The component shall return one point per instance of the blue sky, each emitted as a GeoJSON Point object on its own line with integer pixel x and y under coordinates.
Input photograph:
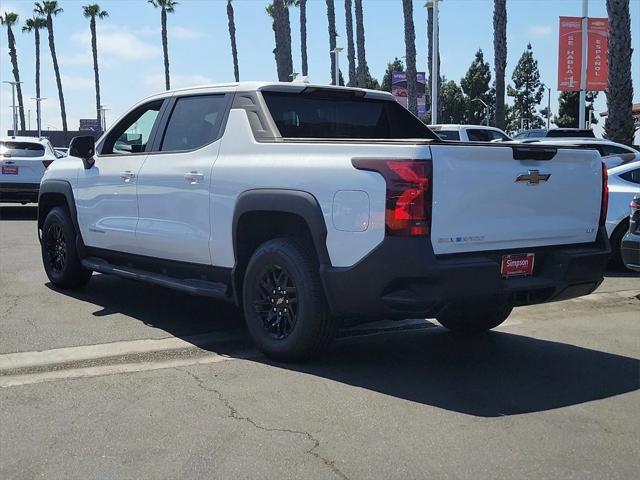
{"type": "Point", "coordinates": [130, 51]}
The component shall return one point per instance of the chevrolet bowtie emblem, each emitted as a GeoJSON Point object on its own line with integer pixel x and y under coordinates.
{"type": "Point", "coordinates": [533, 177]}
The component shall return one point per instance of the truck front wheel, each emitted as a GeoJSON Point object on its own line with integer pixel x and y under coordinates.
{"type": "Point", "coordinates": [284, 305]}
{"type": "Point", "coordinates": [475, 316]}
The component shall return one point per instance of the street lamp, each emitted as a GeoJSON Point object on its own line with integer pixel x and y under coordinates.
{"type": "Point", "coordinates": [13, 105]}
{"type": "Point", "coordinates": [486, 108]}
{"type": "Point", "coordinates": [38, 114]}
{"type": "Point", "coordinates": [336, 51]}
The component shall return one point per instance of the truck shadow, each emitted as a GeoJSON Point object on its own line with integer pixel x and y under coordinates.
{"type": "Point", "coordinates": [15, 212]}
{"type": "Point", "coordinates": [497, 374]}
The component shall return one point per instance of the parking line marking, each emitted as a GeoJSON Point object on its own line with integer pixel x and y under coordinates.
{"type": "Point", "coordinates": [11, 361]}
{"type": "Point", "coordinates": [103, 370]}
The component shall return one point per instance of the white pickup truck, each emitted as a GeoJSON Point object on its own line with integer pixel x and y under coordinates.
{"type": "Point", "coordinates": [309, 205]}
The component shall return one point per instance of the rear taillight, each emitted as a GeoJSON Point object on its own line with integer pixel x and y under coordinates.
{"type": "Point", "coordinates": [408, 206]}
{"type": "Point", "coordinates": [604, 202]}
{"type": "Point", "coordinates": [46, 163]}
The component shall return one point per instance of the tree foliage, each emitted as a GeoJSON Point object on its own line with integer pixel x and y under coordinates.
{"type": "Point", "coordinates": [569, 106]}
{"type": "Point", "coordinates": [476, 85]}
{"type": "Point", "coordinates": [527, 92]}
{"type": "Point", "coordinates": [397, 65]}
{"type": "Point", "coordinates": [454, 103]}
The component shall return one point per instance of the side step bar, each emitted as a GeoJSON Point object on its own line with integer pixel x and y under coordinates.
{"type": "Point", "coordinates": [193, 286]}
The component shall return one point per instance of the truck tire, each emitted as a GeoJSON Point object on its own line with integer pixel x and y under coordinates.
{"type": "Point", "coordinates": [474, 317]}
{"type": "Point", "coordinates": [284, 305]}
{"type": "Point", "coordinates": [615, 260]}
{"type": "Point", "coordinates": [59, 253]}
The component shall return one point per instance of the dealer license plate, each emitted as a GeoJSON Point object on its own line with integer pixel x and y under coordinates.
{"type": "Point", "coordinates": [520, 265]}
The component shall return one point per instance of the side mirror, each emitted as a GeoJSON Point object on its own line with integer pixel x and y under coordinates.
{"type": "Point", "coordinates": [84, 148]}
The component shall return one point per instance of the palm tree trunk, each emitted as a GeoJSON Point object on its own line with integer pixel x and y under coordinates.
{"type": "Point", "coordinates": [232, 35]}
{"type": "Point", "coordinates": [165, 47]}
{"type": "Point", "coordinates": [37, 38]}
{"type": "Point", "coordinates": [282, 31]}
{"type": "Point", "coordinates": [619, 123]}
{"type": "Point", "coordinates": [362, 60]}
{"type": "Point", "coordinates": [351, 49]}
{"type": "Point", "coordinates": [500, 57]}
{"type": "Point", "coordinates": [94, 49]}
{"type": "Point", "coordinates": [410, 47]}
{"type": "Point", "coordinates": [432, 74]}
{"type": "Point", "coordinates": [331, 17]}
{"type": "Point", "coordinates": [56, 70]}
{"type": "Point", "coordinates": [303, 37]}
{"type": "Point", "coordinates": [16, 73]}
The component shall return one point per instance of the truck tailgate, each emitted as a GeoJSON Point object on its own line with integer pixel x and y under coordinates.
{"type": "Point", "coordinates": [503, 198]}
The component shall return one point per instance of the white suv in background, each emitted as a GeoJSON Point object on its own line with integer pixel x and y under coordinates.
{"type": "Point", "coordinates": [23, 161]}
{"type": "Point", "coordinates": [470, 133]}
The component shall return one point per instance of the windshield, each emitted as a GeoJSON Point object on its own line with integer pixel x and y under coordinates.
{"type": "Point", "coordinates": [21, 149]}
{"type": "Point", "coordinates": [342, 114]}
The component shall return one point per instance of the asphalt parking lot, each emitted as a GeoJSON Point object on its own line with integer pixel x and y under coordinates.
{"type": "Point", "coordinates": [124, 380]}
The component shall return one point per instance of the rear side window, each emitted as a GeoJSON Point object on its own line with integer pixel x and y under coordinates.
{"type": "Point", "coordinates": [632, 176]}
{"type": "Point", "coordinates": [611, 150]}
{"type": "Point", "coordinates": [194, 122]}
{"type": "Point", "coordinates": [331, 114]}
{"type": "Point", "coordinates": [449, 134]}
{"type": "Point", "coordinates": [21, 149]}
{"type": "Point", "coordinates": [477, 135]}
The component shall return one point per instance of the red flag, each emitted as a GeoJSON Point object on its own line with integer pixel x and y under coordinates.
{"type": "Point", "coordinates": [597, 64]}
{"type": "Point", "coordinates": [570, 53]}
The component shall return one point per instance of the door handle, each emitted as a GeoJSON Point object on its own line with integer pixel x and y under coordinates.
{"type": "Point", "coordinates": [127, 175]}
{"type": "Point", "coordinates": [194, 177]}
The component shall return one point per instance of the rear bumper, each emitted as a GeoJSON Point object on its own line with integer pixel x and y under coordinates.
{"type": "Point", "coordinates": [19, 192]}
{"type": "Point", "coordinates": [403, 278]}
{"type": "Point", "coordinates": [631, 251]}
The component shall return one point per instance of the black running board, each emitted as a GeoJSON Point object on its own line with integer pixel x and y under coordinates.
{"type": "Point", "coordinates": [193, 286]}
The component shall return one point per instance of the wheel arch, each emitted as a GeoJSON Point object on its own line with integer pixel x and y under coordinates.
{"type": "Point", "coordinates": [58, 193]}
{"type": "Point", "coordinates": [262, 214]}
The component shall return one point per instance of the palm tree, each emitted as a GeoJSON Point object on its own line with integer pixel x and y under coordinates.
{"type": "Point", "coordinates": [92, 12]}
{"type": "Point", "coordinates": [331, 17]}
{"type": "Point", "coordinates": [351, 49]}
{"type": "Point", "coordinates": [500, 57]}
{"type": "Point", "coordinates": [619, 123]}
{"type": "Point", "coordinates": [9, 19]}
{"type": "Point", "coordinates": [35, 24]}
{"type": "Point", "coordinates": [232, 35]}
{"type": "Point", "coordinates": [410, 47]}
{"type": "Point", "coordinates": [50, 9]}
{"type": "Point", "coordinates": [279, 11]}
{"type": "Point", "coordinates": [165, 6]}
{"type": "Point", "coordinates": [362, 60]}
{"type": "Point", "coordinates": [432, 75]}
{"type": "Point", "coordinates": [303, 36]}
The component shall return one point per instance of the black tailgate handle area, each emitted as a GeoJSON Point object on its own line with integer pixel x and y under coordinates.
{"type": "Point", "coordinates": [534, 153]}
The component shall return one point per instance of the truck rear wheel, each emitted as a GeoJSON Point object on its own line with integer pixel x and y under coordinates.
{"type": "Point", "coordinates": [474, 317]}
{"type": "Point", "coordinates": [284, 305]}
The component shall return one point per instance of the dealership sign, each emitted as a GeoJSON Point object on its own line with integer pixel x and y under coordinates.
{"type": "Point", "coordinates": [399, 90]}
{"type": "Point", "coordinates": [570, 53]}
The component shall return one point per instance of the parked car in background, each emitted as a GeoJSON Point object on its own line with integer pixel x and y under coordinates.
{"type": "Point", "coordinates": [469, 133]}
{"type": "Point", "coordinates": [554, 133]}
{"type": "Point", "coordinates": [62, 151]}
{"type": "Point", "coordinates": [631, 241]}
{"type": "Point", "coordinates": [624, 185]}
{"type": "Point", "coordinates": [23, 161]}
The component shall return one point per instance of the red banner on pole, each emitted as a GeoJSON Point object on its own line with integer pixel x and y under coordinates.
{"type": "Point", "coordinates": [597, 44]}
{"type": "Point", "coordinates": [570, 53]}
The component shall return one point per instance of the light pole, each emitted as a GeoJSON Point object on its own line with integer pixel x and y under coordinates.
{"type": "Point", "coordinates": [336, 51]}
{"type": "Point", "coordinates": [103, 117]}
{"type": "Point", "coordinates": [486, 108]}
{"type": "Point", "coordinates": [13, 105]}
{"type": "Point", "coordinates": [435, 74]}
{"type": "Point", "coordinates": [583, 67]}
{"type": "Point", "coordinates": [38, 114]}
{"type": "Point", "coordinates": [549, 108]}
